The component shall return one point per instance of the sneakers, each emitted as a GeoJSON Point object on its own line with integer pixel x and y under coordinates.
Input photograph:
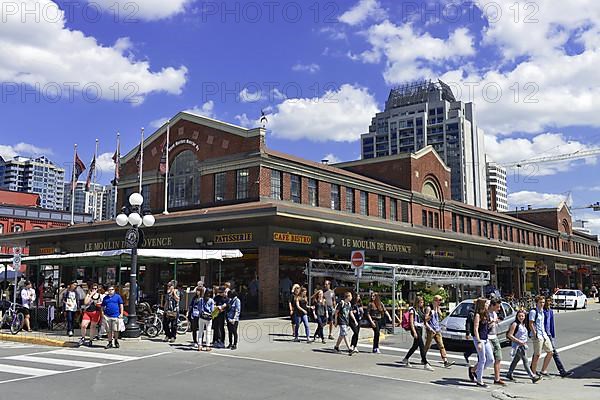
{"type": "Point", "coordinates": [350, 352]}
{"type": "Point", "coordinates": [405, 362]}
{"type": "Point", "coordinates": [466, 358]}
{"type": "Point", "coordinates": [536, 379]}
{"type": "Point", "coordinates": [117, 345]}
{"type": "Point", "coordinates": [172, 340]}
{"type": "Point", "coordinates": [511, 378]}
{"type": "Point", "coordinates": [376, 351]}
{"type": "Point", "coordinates": [482, 385]}
{"type": "Point", "coordinates": [336, 349]}
{"type": "Point", "coordinates": [448, 364]}
{"type": "Point", "coordinates": [81, 341]}
{"type": "Point", "coordinates": [233, 347]}
{"type": "Point", "coordinates": [323, 341]}
{"type": "Point", "coordinates": [70, 333]}
{"type": "Point", "coordinates": [108, 346]}
{"type": "Point", "coordinates": [471, 374]}
{"type": "Point", "coordinates": [566, 374]}
{"type": "Point", "coordinates": [331, 337]}
{"type": "Point", "coordinates": [428, 367]}
{"type": "Point", "coordinates": [355, 350]}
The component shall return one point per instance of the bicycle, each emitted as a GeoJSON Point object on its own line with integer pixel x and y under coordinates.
{"type": "Point", "coordinates": [183, 325]}
{"type": "Point", "coordinates": [13, 318]}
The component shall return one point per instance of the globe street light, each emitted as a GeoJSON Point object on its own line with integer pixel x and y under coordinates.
{"type": "Point", "coordinates": [131, 215]}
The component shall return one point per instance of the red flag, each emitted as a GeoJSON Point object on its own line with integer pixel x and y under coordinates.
{"type": "Point", "coordinates": [79, 168]}
{"type": "Point", "coordinates": [162, 167]}
{"type": "Point", "coordinates": [90, 174]}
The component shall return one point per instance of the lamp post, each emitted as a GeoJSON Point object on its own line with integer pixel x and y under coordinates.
{"type": "Point", "coordinates": [131, 215]}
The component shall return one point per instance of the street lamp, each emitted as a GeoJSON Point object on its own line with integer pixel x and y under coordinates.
{"type": "Point", "coordinates": [131, 215]}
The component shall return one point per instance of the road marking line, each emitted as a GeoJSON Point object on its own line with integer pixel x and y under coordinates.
{"type": "Point", "coordinates": [32, 372]}
{"type": "Point", "coordinates": [54, 361]}
{"type": "Point", "coordinates": [572, 346]}
{"type": "Point", "coordinates": [339, 371]}
{"type": "Point", "coordinates": [91, 354]}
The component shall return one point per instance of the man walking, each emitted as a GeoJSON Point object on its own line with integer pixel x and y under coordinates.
{"type": "Point", "coordinates": [494, 341]}
{"type": "Point", "coordinates": [541, 340]}
{"type": "Point", "coordinates": [549, 327]}
{"type": "Point", "coordinates": [433, 317]}
{"type": "Point", "coordinates": [112, 311]}
{"type": "Point", "coordinates": [329, 295]}
{"type": "Point", "coordinates": [343, 316]}
{"type": "Point", "coordinates": [70, 302]}
{"type": "Point", "coordinates": [27, 299]}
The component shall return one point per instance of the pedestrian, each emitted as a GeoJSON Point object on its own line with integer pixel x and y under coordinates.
{"type": "Point", "coordinates": [92, 303]}
{"type": "Point", "coordinates": [594, 292]}
{"type": "Point", "coordinates": [417, 323]}
{"type": "Point", "coordinates": [234, 308]}
{"type": "Point", "coordinates": [301, 302]}
{"type": "Point", "coordinates": [171, 312]}
{"type": "Point", "coordinates": [112, 312]}
{"type": "Point", "coordinates": [207, 307]}
{"type": "Point", "coordinates": [343, 316]}
{"type": "Point", "coordinates": [483, 346]}
{"type": "Point", "coordinates": [549, 328]}
{"type": "Point", "coordinates": [358, 312]}
{"type": "Point", "coordinates": [541, 340]}
{"type": "Point", "coordinates": [292, 305]}
{"type": "Point", "coordinates": [376, 314]}
{"type": "Point", "coordinates": [329, 295]}
{"type": "Point", "coordinates": [319, 307]}
{"type": "Point", "coordinates": [27, 300]}
{"type": "Point", "coordinates": [70, 303]}
{"type": "Point", "coordinates": [469, 334]}
{"type": "Point", "coordinates": [433, 317]}
{"type": "Point", "coordinates": [494, 320]}
{"type": "Point", "coordinates": [517, 334]}
{"type": "Point", "coordinates": [219, 319]}
{"type": "Point", "coordinates": [194, 311]}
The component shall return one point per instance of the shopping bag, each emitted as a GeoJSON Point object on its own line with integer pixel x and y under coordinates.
{"type": "Point", "coordinates": [121, 325]}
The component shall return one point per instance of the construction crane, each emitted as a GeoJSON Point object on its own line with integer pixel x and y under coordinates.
{"type": "Point", "coordinates": [561, 157]}
{"type": "Point", "coordinates": [594, 207]}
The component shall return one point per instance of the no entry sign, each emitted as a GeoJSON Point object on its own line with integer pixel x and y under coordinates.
{"type": "Point", "coordinates": [357, 258]}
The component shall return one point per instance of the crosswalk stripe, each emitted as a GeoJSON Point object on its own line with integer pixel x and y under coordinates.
{"type": "Point", "coordinates": [54, 361]}
{"type": "Point", "coordinates": [91, 354]}
{"type": "Point", "coordinates": [26, 370]}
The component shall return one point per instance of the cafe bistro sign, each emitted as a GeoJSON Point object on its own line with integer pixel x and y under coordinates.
{"type": "Point", "coordinates": [291, 238]}
{"type": "Point", "coordinates": [375, 245]}
{"type": "Point", "coordinates": [151, 243]}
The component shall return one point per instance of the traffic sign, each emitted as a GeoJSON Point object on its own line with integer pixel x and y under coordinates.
{"type": "Point", "coordinates": [16, 258]}
{"type": "Point", "coordinates": [357, 258]}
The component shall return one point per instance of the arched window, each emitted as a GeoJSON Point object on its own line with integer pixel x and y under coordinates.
{"type": "Point", "coordinates": [1, 229]}
{"type": "Point", "coordinates": [565, 225]}
{"type": "Point", "coordinates": [430, 188]}
{"type": "Point", "coordinates": [184, 180]}
{"type": "Point", "coordinates": [17, 228]}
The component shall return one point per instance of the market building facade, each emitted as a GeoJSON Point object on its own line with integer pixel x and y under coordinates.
{"type": "Point", "coordinates": [228, 190]}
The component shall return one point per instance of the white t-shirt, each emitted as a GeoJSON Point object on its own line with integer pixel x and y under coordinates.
{"type": "Point", "coordinates": [27, 297]}
{"type": "Point", "coordinates": [71, 301]}
{"type": "Point", "coordinates": [329, 296]}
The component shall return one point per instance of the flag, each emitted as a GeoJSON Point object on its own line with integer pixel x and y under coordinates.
{"type": "Point", "coordinates": [79, 168]}
{"type": "Point", "coordinates": [117, 160]}
{"type": "Point", "coordinates": [138, 156]}
{"type": "Point", "coordinates": [162, 167]}
{"type": "Point", "coordinates": [90, 174]}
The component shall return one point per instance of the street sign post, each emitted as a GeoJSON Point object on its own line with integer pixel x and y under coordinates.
{"type": "Point", "coordinates": [357, 259]}
{"type": "Point", "coordinates": [16, 266]}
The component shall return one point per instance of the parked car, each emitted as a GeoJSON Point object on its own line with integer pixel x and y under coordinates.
{"type": "Point", "coordinates": [453, 326]}
{"type": "Point", "coordinates": [569, 298]}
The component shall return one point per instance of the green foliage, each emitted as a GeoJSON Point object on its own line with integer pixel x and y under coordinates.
{"type": "Point", "coordinates": [428, 294]}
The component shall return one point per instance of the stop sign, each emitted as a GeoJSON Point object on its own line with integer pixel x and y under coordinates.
{"type": "Point", "coordinates": [357, 258]}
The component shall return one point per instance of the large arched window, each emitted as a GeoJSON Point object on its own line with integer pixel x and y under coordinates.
{"type": "Point", "coordinates": [430, 188]}
{"type": "Point", "coordinates": [17, 228]}
{"type": "Point", "coordinates": [184, 180]}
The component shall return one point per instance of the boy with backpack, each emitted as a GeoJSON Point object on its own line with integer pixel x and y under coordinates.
{"type": "Point", "coordinates": [343, 315]}
{"type": "Point", "coordinates": [541, 340]}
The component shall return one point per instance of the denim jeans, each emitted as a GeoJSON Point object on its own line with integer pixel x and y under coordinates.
{"type": "Point", "coordinates": [520, 354]}
{"type": "Point", "coordinates": [70, 318]}
{"type": "Point", "coordinates": [321, 322]}
{"type": "Point", "coordinates": [486, 358]}
{"type": "Point", "coordinates": [304, 320]}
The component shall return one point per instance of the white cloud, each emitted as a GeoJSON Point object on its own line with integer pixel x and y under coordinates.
{"type": "Point", "coordinates": [362, 11]}
{"type": "Point", "coordinates": [310, 68]}
{"type": "Point", "coordinates": [49, 56]}
{"type": "Point", "coordinates": [105, 164]}
{"type": "Point", "coordinates": [148, 10]}
{"type": "Point", "coordinates": [535, 199]}
{"type": "Point", "coordinates": [331, 158]}
{"type": "Point", "coordinates": [508, 150]}
{"type": "Point", "coordinates": [207, 110]}
{"type": "Point", "coordinates": [341, 115]}
{"type": "Point", "coordinates": [409, 54]}
{"type": "Point", "coordinates": [593, 221]}
{"type": "Point", "coordinates": [246, 96]}
{"type": "Point", "coordinates": [23, 149]}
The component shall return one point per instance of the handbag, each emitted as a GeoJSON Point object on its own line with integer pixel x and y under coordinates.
{"type": "Point", "coordinates": [171, 314]}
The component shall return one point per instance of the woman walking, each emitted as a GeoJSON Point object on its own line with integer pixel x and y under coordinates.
{"type": "Point", "coordinates": [292, 305]}
{"type": "Point", "coordinates": [417, 323]}
{"type": "Point", "coordinates": [171, 313]}
{"type": "Point", "coordinates": [194, 311]}
{"type": "Point", "coordinates": [234, 308]}
{"type": "Point", "coordinates": [319, 306]}
{"type": "Point", "coordinates": [375, 314]}
{"type": "Point", "coordinates": [302, 315]}
{"type": "Point", "coordinates": [517, 334]}
{"type": "Point", "coordinates": [91, 314]}
{"type": "Point", "coordinates": [483, 346]}
{"type": "Point", "coordinates": [358, 312]}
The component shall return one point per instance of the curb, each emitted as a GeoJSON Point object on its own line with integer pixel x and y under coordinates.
{"type": "Point", "coordinates": [36, 340]}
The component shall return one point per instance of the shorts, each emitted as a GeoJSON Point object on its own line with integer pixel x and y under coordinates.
{"type": "Point", "coordinates": [93, 316]}
{"type": "Point", "coordinates": [25, 311]}
{"type": "Point", "coordinates": [330, 314]}
{"type": "Point", "coordinates": [540, 345]}
{"type": "Point", "coordinates": [343, 330]}
{"type": "Point", "coordinates": [112, 324]}
{"type": "Point", "coordinates": [496, 349]}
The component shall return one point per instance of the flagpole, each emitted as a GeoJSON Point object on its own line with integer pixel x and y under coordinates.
{"type": "Point", "coordinates": [167, 169]}
{"type": "Point", "coordinates": [73, 183]}
{"type": "Point", "coordinates": [95, 200]}
{"type": "Point", "coordinates": [115, 187]}
{"type": "Point", "coordinates": [141, 160]}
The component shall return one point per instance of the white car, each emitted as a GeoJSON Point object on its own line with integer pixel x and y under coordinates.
{"type": "Point", "coordinates": [569, 298]}
{"type": "Point", "coordinates": [453, 326]}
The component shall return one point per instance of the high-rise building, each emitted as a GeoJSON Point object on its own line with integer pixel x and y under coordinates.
{"type": "Point", "coordinates": [497, 191]}
{"type": "Point", "coordinates": [108, 202]}
{"type": "Point", "coordinates": [38, 175]}
{"type": "Point", "coordinates": [427, 113]}
{"type": "Point", "coordinates": [84, 200]}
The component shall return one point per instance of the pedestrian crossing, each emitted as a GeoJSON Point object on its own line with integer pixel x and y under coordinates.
{"type": "Point", "coordinates": [53, 362]}
{"type": "Point", "coordinates": [15, 345]}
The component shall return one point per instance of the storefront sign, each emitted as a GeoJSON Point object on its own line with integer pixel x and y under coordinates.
{"type": "Point", "coordinates": [560, 267]}
{"type": "Point", "coordinates": [291, 238]}
{"type": "Point", "coordinates": [375, 245]}
{"type": "Point", "coordinates": [541, 268]}
{"type": "Point", "coordinates": [530, 266]}
{"type": "Point", "coordinates": [149, 243]}
{"type": "Point", "coordinates": [573, 267]}
{"type": "Point", "coordinates": [502, 259]}
{"type": "Point", "coordinates": [443, 254]}
{"type": "Point", "coordinates": [233, 238]}
{"type": "Point", "coordinates": [185, 141]}
{"type": "Point", "coordinates": [46, 251]}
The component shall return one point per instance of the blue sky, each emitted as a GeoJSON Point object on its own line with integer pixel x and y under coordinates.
{"type": "Point", "coordinates": [321, 69]}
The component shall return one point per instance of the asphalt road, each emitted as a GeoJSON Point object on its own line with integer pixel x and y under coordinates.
{"type": "Point", "coordinates": [269, 365]}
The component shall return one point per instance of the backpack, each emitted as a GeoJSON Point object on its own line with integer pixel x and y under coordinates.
{"type": "Point", "coordinates": [527, 320]}
{"type": "Point", "coordinates": [470, 323]}
{"type": "Point", "coordinates": [406, 319]}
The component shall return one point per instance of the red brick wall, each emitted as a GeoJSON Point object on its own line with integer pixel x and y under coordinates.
{"type": "Point", "coordinates": [304, 191]}
{"type": "Point", "coordinates": [264, 182]}
{"type": "Point", "coordinates": [287, 186]}
{"type": "Point", "coordinates": [324, 194]}
{"type": "Point", "coordinates": [373, 205]}
{"type": "Point", "coordinates": [268, 275]}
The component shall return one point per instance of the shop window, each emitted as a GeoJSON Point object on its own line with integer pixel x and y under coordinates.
{"type": "Point", "coordinates": [430, 219]}
{"type": "Point", "coordinates": [219, 186]}
{"type": "Point", "coordinates": [295, 189]}
{"type": "Point", "coordinates": [424, 218]}
{"type": "Point", "coordinates": [350, 200]}
{"type": "Point", "coordinates": [17, 228]}
{"type": "Point", "coordinates": [381, 206]}
{"type": "Point", "coordinates": [313, 193]}
{"type": "Point", "coordinates": [436, 218]}
{"type": "Point", "coordinates": [454, 228]}
{"type": "Point", "coordinates": [276, 188]}
{"type": "Point", "coordinates": [491, 230]}
{"type": "Point", "coordinates": [184, 180]}
{"type": "Point", "coordinates": [404, 209]}
{"type": "Point", "coordinates": [461, 222]}
{"type": "Point", "coordinates": [469, 226]}
{"type": "Point", "coordinates": [478, 227]}
{"type": "Point", "coordinates": [241, 182]}
{"type": "Point", "coordinates": [485, 229]}
{"type": "Point", "coordinates": [393, 210]}
{"type": "Point", "coordinates": [335, 197]}
{"type": "Point", "coordinates": [364, 203]}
